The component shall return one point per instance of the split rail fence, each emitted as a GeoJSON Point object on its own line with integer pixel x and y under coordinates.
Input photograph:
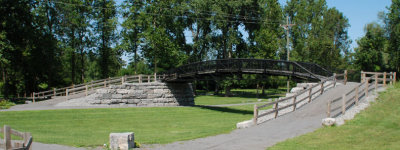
{"type": "Point", "coordinates": [297, 98]}
{"type": "Point", "coordinates": [94, 85]}
{"type": "Point", "coordinates": [369, 81]}
{"type": "Point", "coordinates": [7, 144]}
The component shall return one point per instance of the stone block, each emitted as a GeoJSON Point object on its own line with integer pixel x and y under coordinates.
{"type": "Point", "coordinates": [122, 91]}
{"type": "Point", "coordinates": [158, 91]}
{"type": "Point", "coordinates": [116, 96]}
{"type": "Point", "coordinates": [328, 121]}
{"type": "Point", "coordinates": [153, 96]}
{"type": "Point", "coordinates": [133, 101]}
{"type": "Point", "coordinates": [106, 96]}
{"type": "Point", "coordinates": [102, 91]}
{"type": "Point", "coordinates": [297, 89]}
{"type": "Point", "coordinates": [122, 141]}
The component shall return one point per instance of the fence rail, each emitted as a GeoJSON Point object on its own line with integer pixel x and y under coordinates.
{"type": "Point", "coordinates": [7, 144]}
{"type": "Point", "coordinates": [369, 81]}
{"type": "Point", "coordinates": [94, 85]}
{"type": "Point", "coordinates": [297, 97]}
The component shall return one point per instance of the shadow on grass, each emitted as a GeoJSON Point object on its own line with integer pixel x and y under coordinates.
{"type": "Point", "coordinates": [224, 109]}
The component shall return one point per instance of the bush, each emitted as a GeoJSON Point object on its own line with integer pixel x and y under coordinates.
{"type": "Point", "coordinates": [5, 104]}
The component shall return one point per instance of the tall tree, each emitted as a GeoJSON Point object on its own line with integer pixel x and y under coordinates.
{"type": "Point", "coordinates": [393, 28]}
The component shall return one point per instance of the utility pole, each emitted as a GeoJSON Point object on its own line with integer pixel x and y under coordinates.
{"type": "Point", "coordinates": [286, 27]}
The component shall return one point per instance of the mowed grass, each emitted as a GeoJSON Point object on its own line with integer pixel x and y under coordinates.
{"type": "Point", "coordinates": [240, 96]}
{"type": "Point", "coordinates": [377, 127]}
{"type": "Point", "coordinates": [91, 127]}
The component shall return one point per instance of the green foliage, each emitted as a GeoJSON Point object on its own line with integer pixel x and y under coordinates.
{"type": "Point", "coordinates": [369, 53]}
{"type": "Point", "coordinates": [137, 144]}
{"type": "Point", "coordinates": [5, 104]}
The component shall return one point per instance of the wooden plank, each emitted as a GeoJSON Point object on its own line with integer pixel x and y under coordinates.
{"type": "Point", "coordinates": [17, 133]}
{"type": "Point", "coordinates": [336, 100]}
{"type": "Point", "coordinates": [265, 105]}
{"type": "Point", "coordinates": [29, 144]}
{"type": "Point", "coordinates": [267, 113]}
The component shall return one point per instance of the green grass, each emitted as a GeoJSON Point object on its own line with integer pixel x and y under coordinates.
{"type": "Point", "coordinates": [240, 96]}
{"type": "Point", "coordinates": [378, 127]}
{"type": "Point", "coordinates": [91, 127]}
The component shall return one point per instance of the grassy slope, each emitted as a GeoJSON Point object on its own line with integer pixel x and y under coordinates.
{"type": "Point", "coordinates": [378, 127]}
{"type": "Point", "coordinates": [91, 127]}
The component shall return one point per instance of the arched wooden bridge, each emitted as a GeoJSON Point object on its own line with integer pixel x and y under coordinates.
{"type": "Point", "coordinates": [223, 67]}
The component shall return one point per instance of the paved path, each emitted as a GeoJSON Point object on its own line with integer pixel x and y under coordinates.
{"type": "Point", "coordinates": [304, 120]}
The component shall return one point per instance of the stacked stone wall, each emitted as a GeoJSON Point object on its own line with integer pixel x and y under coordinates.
{"type": "Point", "coordinates": [146, 94]}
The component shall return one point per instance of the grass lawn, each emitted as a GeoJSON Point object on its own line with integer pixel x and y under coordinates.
{"type": "Point", "coordinates": [240, 96]}
{"type": "Point", "coordinates": [91, 127]}
{"type": "Point", "coordinates": [378, 127]}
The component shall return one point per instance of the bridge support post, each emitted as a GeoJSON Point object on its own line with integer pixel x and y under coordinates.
{"type": "Point", "coordinates": [255, 114]}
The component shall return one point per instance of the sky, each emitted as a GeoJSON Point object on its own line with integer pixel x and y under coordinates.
{"type": "Point", "coordinates": [359, 13]}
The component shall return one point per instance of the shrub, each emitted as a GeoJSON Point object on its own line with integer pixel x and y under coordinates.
{"type": "Point", "coordinates": [5, 104]}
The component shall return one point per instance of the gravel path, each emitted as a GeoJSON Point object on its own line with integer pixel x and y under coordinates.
{"type": "Point", "coordinates": [304, 120]}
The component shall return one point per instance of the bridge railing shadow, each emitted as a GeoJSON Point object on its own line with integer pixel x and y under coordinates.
{"type": "Point", "coordinates": [225, 109]}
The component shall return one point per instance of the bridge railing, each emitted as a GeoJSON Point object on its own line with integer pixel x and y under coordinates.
{"type": "Point", "coordinates": [8, 144]}
{"type": "Point", "coordinates": [310, 92]}
{"type": "Point", "coordinates": [245, 66]}
{"type": "Point", "coordinates": [369, 81]}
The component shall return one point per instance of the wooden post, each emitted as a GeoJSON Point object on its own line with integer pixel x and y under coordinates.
{"type": "Point", "coordinates": [334, 79]}
{"type": "Point", "coordinates": [343, 103]}
{"type": "Point", "coordinates": [322, 88]}
{"type": "Point", "coordinates": [357, 96]}
{"type": "Point", "coordinates": [366, 87]}
{"type": "Point", "coordinates": [309, 94]}
{"type": "Point", "coordinates": [294, 103]}
{"type": "Point", "coordinates": [66, 94]}
{"type": "Point", "coordinates": [328, 111]}
{"type": "Point", "coordinates": [54, 92]}
{"type": "Point", "coordinates": [391, 78]}
{"type": "Point", "coordinates": [73, 86]}
{"type": "Point", "coordinates": [27, 135]}
{"type": "Point", "coordinates": [255, 114]}
{"type": "Point", "coordinates": [148, 79]}
{"type": "Point", "coordinates": [86, 90]}
{"type": "Point", "coordinates": [362, 76]}
{"type": "Point", "coordinates": [7, 137]}
{"type": "Point", "coordinates": [105, 83]}
{"type": "Point", "coordinates": [33, 97]}
{"type": "Point", "coordinates": [384, 79]}
{"type": "Point", "coordinates": [345, 77]}
{"type": "Point", "coordinates": [155, 77]}
{"type": "Point", "coordinates": [394, 78]}
{"type": "Point", "coordinates": [276, 108]}
{"type": "Point", "coordinates": [122, 80]}
{"type": "Point", "coordinates": [140, 78]}
{"type": "Point", "coordinates": [376, 82]}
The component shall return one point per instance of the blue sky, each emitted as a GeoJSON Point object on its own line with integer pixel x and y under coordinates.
{"type": "Point", "coordinates": [359, 13]}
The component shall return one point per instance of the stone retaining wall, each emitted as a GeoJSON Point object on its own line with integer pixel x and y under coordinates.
{"type": "Point", "coordinates": [146, 94]}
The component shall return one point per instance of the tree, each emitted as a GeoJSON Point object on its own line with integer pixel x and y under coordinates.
{"type": "Point", "coordinates": [393, 28]}
{"type": "Point", "coordinates": [368, 54]}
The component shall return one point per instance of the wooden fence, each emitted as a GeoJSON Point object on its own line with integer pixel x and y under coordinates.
{"type": "Point", "coordinates": [94, 85]}
{"type": "Point", "coordinates": [275, 110]}
{"type": "Point", "coordinates": [369, 81]}
{"type": "Point", "coordinates": [7, 144]}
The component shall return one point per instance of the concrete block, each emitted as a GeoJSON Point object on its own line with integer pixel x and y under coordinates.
{"type": "Point", "coordinates": [122, 141]}
{"type": "Point", "coordinates": [328, 121]}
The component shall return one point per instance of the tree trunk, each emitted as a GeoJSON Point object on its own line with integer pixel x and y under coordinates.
{"type": "Point", "coordinates": [228, 91]}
